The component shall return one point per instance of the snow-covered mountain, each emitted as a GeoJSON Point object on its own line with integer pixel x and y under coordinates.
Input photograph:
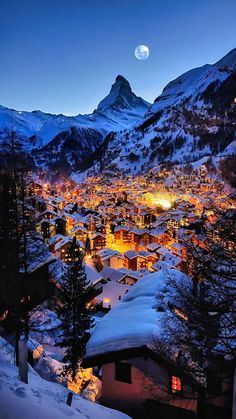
{"type": "Point", "coordinates": [54, 137]}
{"type": "Point", "coordinates": [194, 116]}
{"type": "Point", "coordinates": [122, 101]}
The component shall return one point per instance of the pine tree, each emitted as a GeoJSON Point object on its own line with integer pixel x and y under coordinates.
{"type": "Point", "coordinates": [13, 244]}
{"type": "Point", "coordinates": [88, 246]}
{"type": "Point", "coordinates": [75, 312]}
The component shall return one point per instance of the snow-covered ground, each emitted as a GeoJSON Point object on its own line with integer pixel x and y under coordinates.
{"type": "Point", "coordinates": [41, 399]}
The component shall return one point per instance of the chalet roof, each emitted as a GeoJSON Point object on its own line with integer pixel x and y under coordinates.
{"type": "Point", "coordinates": [137, 316]}
{"type": "Point", "coordinates": [38, 254]}
{"type": "Point", "coordinates": [79, 228]}
{"type": "Point", "coordinates": [58, 199]}
{"type": "Point", "coordinates": [122, 227]}
{"type": "Point", "coordinates": [140, 273]}
{"type": "Point", "coordinates": [178, 246]}
{"type": "Point", "coordinates": [153, 247]}
{"type": "Point", "coordinates": [65, 241]}
{"type": "Point", "coordinates": [157, 232]}
{"type": "Point", "coordinates": [93, 276]}
{"type": "Point", "coordinates": [115, 275]}
{"type": "Point", "coordinates": [139, 231]}
{"type": "Point", "coordinates": [113, 292]}
{"type": "Point", "coordinates": [55, 239]}
{"type": "Point", "coordinates": [131, 254]}
{"type": "Point", "coordinates": [98, 235]}
{"type": "Point", "coordinates": [108, 253]}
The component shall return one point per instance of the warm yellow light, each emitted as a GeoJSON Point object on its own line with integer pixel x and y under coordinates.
{"type": "Point", "coordinates": [106, 300]}
{"type": "Point", "coordinates": [164, 200]}
{"type": "Point", "coordinates": [163, 203]}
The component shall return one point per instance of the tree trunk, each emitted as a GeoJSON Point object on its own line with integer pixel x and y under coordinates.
{"type": "Point", "coordinates": [23, 360]}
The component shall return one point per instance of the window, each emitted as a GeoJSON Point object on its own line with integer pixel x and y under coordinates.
{"type": "Point", "coordinates": [123, 372]}
{"type": "Point", "coordinates": [176, 385]}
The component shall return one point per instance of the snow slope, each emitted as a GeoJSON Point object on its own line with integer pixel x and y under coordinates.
{"type": "Point", "coordinates": [41, 399]}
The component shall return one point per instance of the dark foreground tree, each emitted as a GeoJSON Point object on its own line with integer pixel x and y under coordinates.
{"type": "Point", "coordinates": [200, 322]}
{"type": "Point", "coordinates": [75, 312]}
{"type": "Point", "coordinates": [14, 293]}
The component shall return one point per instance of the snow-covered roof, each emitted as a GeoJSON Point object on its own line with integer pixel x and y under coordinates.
{"type": "Point", "coordinates": [55, 239]}
{"type": "Point", "coordinates": [153, 247]}
{"type": "Point", "coordinates": [157, 232]}
{"type": "Point", "coordinates": [135, 274]}
{"type": "Point", "coordinates": [135, 320]}
{"type": "Point", "coordinates": [38, 254]}
{"type": "Point", "coordinates": [112, 293]}
{"type": "Point", "coordinates": [108, 253]}
{"type": "Point", "coordinates": [112, 274]}
{"type": "Point", "coordinates": [79, 228]}
{"type": "Point", "coordinates": [98, 235]}
{"type": "Point", "coordinates": [93, 276]}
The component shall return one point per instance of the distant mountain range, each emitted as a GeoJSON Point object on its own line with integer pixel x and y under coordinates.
{"type": "Point", "coordinates": [58, 139]}
{"type": "Point", "coordinates": [194, 116]}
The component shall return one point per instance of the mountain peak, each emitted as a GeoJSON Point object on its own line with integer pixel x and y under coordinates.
{"type": "Point", "coordinates": [121, 97]}
{"type": "Point", "coordinates": [121, 79]}
{"type": "Point", "coordinates": [229, 60]}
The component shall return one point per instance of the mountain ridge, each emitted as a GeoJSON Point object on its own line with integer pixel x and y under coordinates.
{"type": "Point", "coordinates": [193, 117]}
{"type": "Point", "coordinates": [42, 131]}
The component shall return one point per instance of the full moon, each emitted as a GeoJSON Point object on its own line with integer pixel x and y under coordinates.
{"type": "Point", "coordinates": [141, 52]}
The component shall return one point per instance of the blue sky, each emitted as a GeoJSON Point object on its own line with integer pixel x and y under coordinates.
{"type": "Point", "coordinates": [61, 56]}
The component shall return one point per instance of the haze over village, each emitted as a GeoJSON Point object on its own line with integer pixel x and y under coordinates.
{"type": "Point", "coordinates": [117, 227]}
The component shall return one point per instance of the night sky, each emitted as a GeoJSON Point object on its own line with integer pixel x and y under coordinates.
{"type": "Point", "coordinates": [61, 56]}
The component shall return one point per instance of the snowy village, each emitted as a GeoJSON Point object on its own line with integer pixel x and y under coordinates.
{"type": "Point", "coordinates": [118, 228]}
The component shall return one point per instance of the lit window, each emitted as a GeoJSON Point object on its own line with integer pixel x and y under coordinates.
{"type": "Point", "coordinates": [176, 385]}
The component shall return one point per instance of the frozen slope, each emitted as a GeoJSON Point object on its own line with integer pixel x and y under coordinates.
{"type": "Point", "coordinates": [41, 399]}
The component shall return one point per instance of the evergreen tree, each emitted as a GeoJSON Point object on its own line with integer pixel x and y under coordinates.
{"type": "Point", "coordinates": [13, 243]}
{"type": "Point", "coordinates": [74, 312]}
{"type": "Point", "coordinates": [88, 246]}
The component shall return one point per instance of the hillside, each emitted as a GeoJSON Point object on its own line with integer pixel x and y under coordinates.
{"type": "Point", "coordinates": [195, 116]}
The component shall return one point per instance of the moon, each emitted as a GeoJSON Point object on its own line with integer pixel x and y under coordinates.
{"type": "Point", "coordinates": [141, 52]}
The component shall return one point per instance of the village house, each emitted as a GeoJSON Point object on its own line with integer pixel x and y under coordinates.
{"type": "Point", "coordinates": [138, 260]}
{"type": "Point", "coordinates": [135, 378]}
{"type": "Point", "coordinates": [98, 242]}
{"type": "Point", "coordinates": [179, 249]}
{"type": "Point", "coordinates": [38, 278]}
{"type": "Point", "coordinates": [160, 236]}
{"type": "Point", "coordinates": [46, 228]}
{"type": "Point", "coordinates": [62, 247]}
{"type": "Point", "coordinates": [109, 258]}
{"type": "Point", "coordinates": [122, 235]}
{"type": "Point", "coordinates": [139, 238]}
{"type": "Point", "coordinates": [80, 232]}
